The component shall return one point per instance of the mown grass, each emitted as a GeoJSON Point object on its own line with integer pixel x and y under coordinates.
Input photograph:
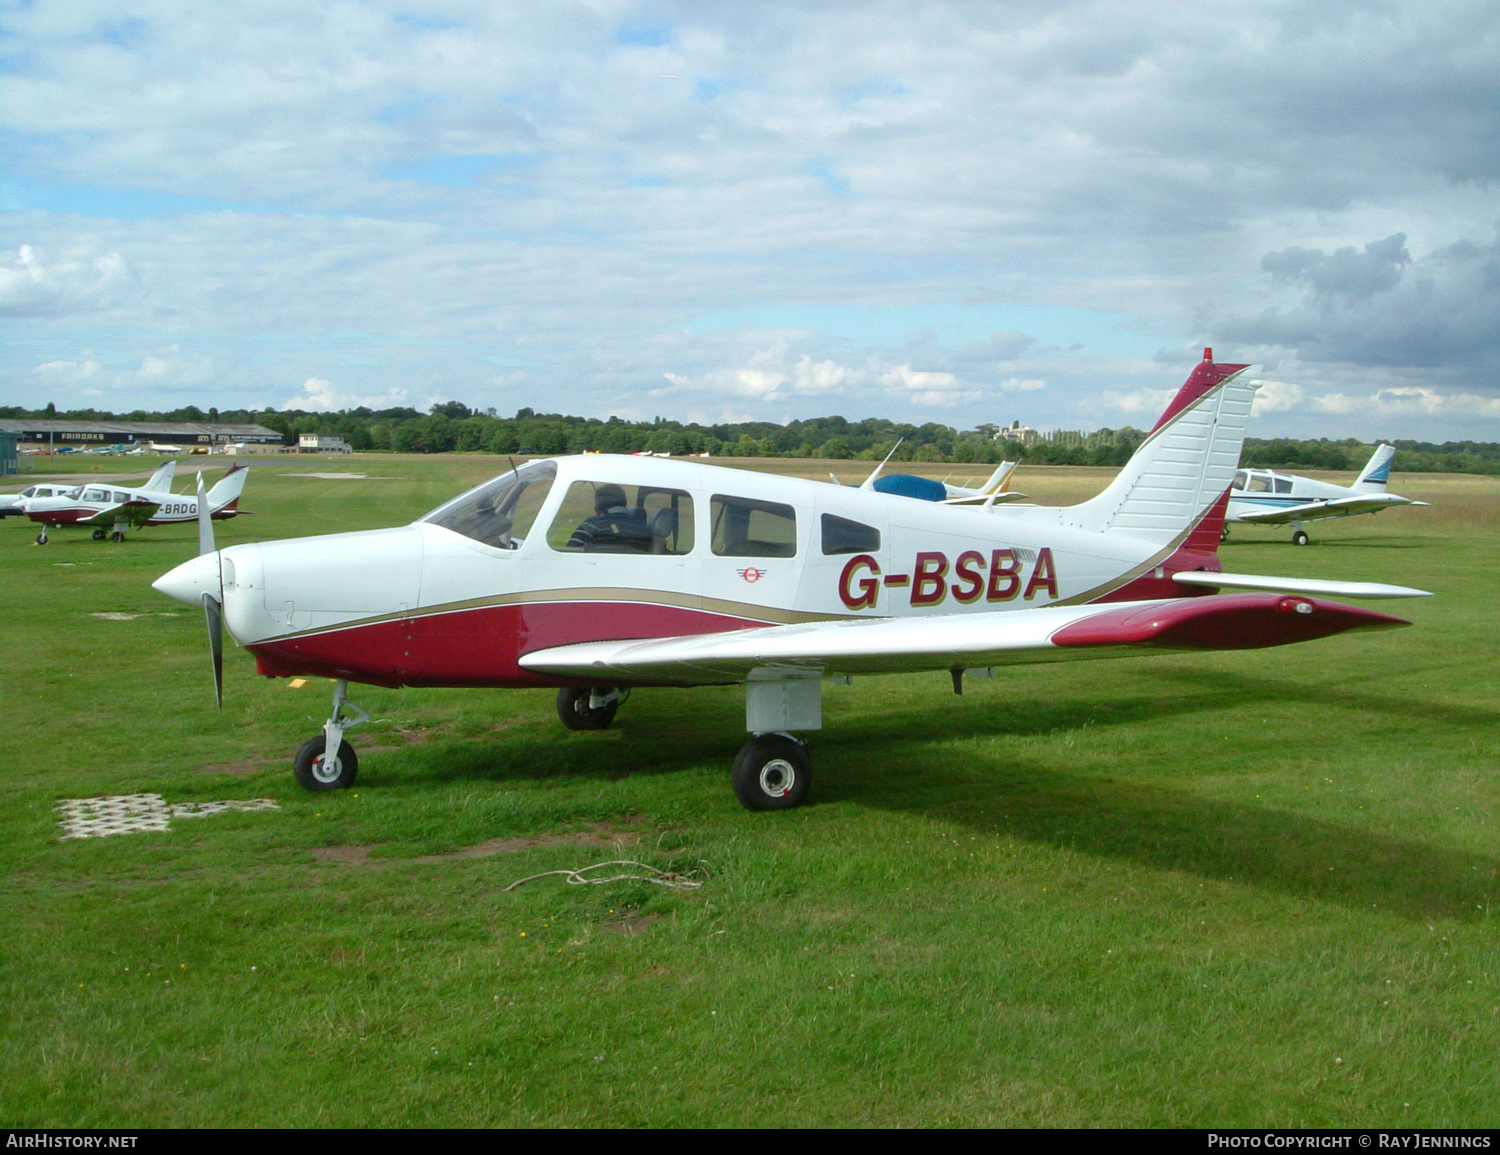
{"type": "Point", "coordinates": [1250, 889]}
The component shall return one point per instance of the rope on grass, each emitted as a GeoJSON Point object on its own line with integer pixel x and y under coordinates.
{"type": "Point", "coordinates": [655, 877]}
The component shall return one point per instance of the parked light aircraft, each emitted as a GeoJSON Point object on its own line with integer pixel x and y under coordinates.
{"type": "Point", "coordinates": [1265, 497]}
{"type": "Point", "coordinates": [994, 491]}
{"type": "Point", "coordinates": [599, 573]}
{"type": "Point", "coordinates": [119, 508]}
{"type": "Point", "coordinates": [15, 503]}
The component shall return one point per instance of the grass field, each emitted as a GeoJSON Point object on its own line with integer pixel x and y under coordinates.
{"type": "Point", "coordinates": [1253, 889]}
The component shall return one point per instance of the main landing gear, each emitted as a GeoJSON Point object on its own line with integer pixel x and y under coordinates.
{"type": "Point", "coordinates": [313, 768]}
{"type": "Point", "coordinates": [1299, 538]}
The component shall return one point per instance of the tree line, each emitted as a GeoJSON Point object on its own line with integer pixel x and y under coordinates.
{"type": "Point", "coordinates": [452, 427]}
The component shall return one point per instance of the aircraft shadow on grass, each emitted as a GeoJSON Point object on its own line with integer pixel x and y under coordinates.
{"type": "Point", "coordinates": [905, 761]}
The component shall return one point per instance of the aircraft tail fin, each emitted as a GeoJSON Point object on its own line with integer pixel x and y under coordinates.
{"type": "Point", "coordinates": [1175, 483]}
{"type": "Point", "coordinates": [228, 489]}
{"type": "Point", "coordinates": [161, 480]}
{"type": "Point", "coordinates": [1377, 471]}
{"type": "Point", "coordinates": [999, 481]}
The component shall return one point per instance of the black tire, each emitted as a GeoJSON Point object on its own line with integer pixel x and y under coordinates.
{"type": "Point", "coordinates": [1223, 533]}
{"type": "Point", "coordinates": [1299, 538]}
{"type": "Point", "coordinates": [311, 772]}
{"type": "Point", "coordinates": [41, 538]}
{"type": "Point", "coordinates": [99, 535]}
{"type": "Point", "coordinates": [576, 713]}
{"type": "Point", "coordinates": [117, 536]}
{"type": "Point", "coordinates": [771, 772]}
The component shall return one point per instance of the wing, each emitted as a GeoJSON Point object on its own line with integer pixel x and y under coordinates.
{"type": "Point", "coordinates": [135, 512]}
{"type": "Point", "coordinates": [1246, 581]}
{"type": "Point", "coordinates": [1319, 510]}
{"type": "Point", "coordinates": [893, 645]}
{"type": "Point", "coordinates": [984, 499]}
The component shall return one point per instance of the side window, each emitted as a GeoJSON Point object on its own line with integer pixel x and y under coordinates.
{"type": "Point", "coordinates": [744, 527]}
{"type": "Point", "coordinates": [96, 495]}
{"type": "Point", "coordinates": [121, 496]}
{"type": "Point", "coordinates": [1239, 480]}
{"type": "Point", "coordinates": [1283, 484]}
{"type": "Point", "coordinates": [1259, 483]}
{"type": "Point", "coordinates": [602, 517]}
{"type": "Point", "coordinates": [840, 535]}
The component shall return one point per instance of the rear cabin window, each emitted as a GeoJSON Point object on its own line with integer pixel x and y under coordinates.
{"type": "Point", "coordinates": [499, 513]}
{"type": "Point", "coordinates": [840, 535]}
{"type": "Point", "coordinates": [745, 527]}
{"type": "Point", "coordinates": [603, 517]}
{"type": "Point", "coordinates": [1283, 484]}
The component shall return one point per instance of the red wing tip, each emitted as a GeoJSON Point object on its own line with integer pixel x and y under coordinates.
{"type": "Point", "coordinates": [1223, 622]}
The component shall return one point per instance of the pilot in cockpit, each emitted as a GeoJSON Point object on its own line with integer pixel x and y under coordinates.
{"type": "Point", "coordinates": [616, 527]}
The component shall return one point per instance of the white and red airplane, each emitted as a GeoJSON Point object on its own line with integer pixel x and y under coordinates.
{"type": "Point", "coordinates": [1265, 497]}
{"type": "Point", "coordinates": [117, 507]}
{"type": "Point", "coordinates": [596, 574]}
{"type": "Point", "coordinates": [15, 503]}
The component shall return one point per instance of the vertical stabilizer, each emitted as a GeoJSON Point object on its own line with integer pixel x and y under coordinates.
{"type": "Point", "coordinates": [228, 489]}
{"type": "Point", "coordinates": [1377, 471]}
{"type": "Point", "coordinates": [161, 480]}
{"type": "Point", "coordinates": [1185, 465]}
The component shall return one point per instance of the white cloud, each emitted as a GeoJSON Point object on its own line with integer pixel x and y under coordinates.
{"type": "Point", "coordinates": [1022, 385]}
{"type": "Point", "coordinates": [320, 396]}
{"type": "Point", "coordinates": [31, 286]}
{"type": "Point", "coordinates": [1410, 402]}
{"type": "Point", "coordinates": [1276, 397]}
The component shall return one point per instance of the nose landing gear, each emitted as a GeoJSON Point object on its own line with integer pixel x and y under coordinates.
{"type": "Point", "coordinates": [592, 709]}
{"type": "Point", "coordinates": [313, 768]}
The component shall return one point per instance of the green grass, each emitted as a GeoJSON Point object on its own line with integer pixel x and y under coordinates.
{"type": "Point", "coordinates": [1250, 889]}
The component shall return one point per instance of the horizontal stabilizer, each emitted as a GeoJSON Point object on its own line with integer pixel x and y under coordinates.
{"type": "Point", "coordinates": [988, 499]}
{"type": "Point", "coordinates": [1246, 581]}
{"type": "Point", "coordinates": [956, 641]}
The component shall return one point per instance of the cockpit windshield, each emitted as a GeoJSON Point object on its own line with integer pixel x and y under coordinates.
{"type": "Point", "coordinates": [499, 513]}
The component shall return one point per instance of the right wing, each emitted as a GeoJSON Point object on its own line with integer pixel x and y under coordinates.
{"type": "Point", "coordinates": [1318, 510]}
{"type": "Point", "coordinates": [1247, 581]}
{"type": "Point", "coordinates": [952, 641]}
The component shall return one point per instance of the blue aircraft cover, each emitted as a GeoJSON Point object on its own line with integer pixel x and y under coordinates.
{"type": "Point", "coordinates": [905, 485]}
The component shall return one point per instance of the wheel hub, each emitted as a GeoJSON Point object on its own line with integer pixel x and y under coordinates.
{"type": "Point", "coordinates": [326, 769]}
{"type": "Point", "coordinates": [777, 777]}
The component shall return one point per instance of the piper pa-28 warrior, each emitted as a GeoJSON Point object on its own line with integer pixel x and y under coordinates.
{"type": "Point", "coordinates": [596, 574]}
{"type": "Point", "coordinates": [1264, 497]}
{"type": "Point", "coordinates": [113, 509]}
{"type": "Point", "coordinates": [15, 503]}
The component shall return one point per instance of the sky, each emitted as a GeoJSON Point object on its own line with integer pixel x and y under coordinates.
{"type": "Point", "coordinates": [1031, 211]}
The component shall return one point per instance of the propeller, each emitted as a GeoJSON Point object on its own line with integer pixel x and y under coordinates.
{"type": "Point", "coordinates": [213, 608]}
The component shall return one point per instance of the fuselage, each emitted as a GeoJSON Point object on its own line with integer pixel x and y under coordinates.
{"type": "Point", "coordinates": [598, 548]}
{"type": "Point", "coordinates": [85, 503]}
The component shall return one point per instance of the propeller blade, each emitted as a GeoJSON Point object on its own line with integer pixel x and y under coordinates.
{"type": "Point", "coordinates": [216, 644]}
{"type": "Point", "coordinates": [213, 608]}
{"type": "Point", "coordinates": [205, 521]}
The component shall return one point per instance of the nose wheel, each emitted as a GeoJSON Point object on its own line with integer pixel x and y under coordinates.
{"type": "Point", "coordinates": [41, 538]}
{"type": "Point", "coordinates": [313, 768]}
{"type": "Point", "coordinates": [592, 709]}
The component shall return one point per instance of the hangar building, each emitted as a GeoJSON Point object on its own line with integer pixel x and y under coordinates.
{"type": "Point", "coordinates": [85, 434]}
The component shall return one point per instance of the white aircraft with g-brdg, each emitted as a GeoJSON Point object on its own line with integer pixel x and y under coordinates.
{"type": "Point", "coordinates": [596, 574]}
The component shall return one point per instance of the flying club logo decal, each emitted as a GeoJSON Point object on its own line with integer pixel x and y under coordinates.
{"type": "Point", "coordinates": [751, 574]}
{"type": "Point", "coordinates": [998, 580]}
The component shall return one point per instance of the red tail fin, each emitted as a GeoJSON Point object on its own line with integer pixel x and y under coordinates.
{"type": "Point", "coordinates": [1205, 376]}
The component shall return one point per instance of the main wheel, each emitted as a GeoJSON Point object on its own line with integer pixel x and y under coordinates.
{"type": "Point", "coordinates": [99, 535]}
{"type": "Point", "coordinates": [771, 772]}
{"type": "Point", "coordinates": [1223, 533]}
{"type": "Point", "coordinates": [315, 772]}
{"type": "Point", "coordinates": [1299, 538]}
{"type": "Point", "coordinates": [117, 536]}
{"type": "Point", "coordinates": [576, 713]}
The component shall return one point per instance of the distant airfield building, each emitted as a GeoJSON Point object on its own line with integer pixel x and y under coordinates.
{"type": "Point", "coordinates": [322, 443]}
{"type": "Point", "coordinates": [183, 436]}
{"type": "Point", "coordinates": [7, 454]}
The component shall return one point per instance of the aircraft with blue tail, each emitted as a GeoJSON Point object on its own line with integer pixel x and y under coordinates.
{"type": "Point", "coordinates": [1265, 497]}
